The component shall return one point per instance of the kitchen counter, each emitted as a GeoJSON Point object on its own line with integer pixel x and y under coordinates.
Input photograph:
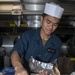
{"type": "Point", "coordinates": [10, 71]}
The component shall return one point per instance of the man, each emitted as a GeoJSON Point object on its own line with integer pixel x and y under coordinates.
{"type": "Point", "coordinates": [40, 44]}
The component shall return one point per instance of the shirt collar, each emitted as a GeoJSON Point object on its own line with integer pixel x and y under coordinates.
{"type": "Point", "coordinates": [37, 34]}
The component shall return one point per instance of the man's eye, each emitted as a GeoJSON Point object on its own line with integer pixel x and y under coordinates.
{"type": "Point", "coordinates": [48, 22]}
{"type": "Point", "coordinates": [55, 24]}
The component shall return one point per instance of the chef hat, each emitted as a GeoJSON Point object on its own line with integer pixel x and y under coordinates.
{"type": "Point", "coordinates": [54, 10]}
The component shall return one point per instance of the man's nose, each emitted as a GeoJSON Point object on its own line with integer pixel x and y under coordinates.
{"type": "Point", "coordinates": [51, 25]}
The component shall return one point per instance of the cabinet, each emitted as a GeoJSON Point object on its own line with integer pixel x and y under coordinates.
{"type": "Point", "coordinates": [66, 65]}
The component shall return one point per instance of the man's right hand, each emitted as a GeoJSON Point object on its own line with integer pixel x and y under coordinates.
{"type": "Point", "coordinates": [21, 71]}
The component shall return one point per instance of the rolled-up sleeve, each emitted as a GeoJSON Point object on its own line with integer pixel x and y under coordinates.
{"type": "Point", "coordinates": [21, 45]}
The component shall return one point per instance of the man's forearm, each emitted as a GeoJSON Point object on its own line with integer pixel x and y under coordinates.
{"type": "Point", "coordinates": [16, 60]}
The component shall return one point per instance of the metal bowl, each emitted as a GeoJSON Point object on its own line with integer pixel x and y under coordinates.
{"type": "Point", "coordinates": [33, 17]}
{"type": "Point", "coordinates": [34, 23]}
{"type": "Point", "coordinates": [36, 1]}
{"type": "Point", "coordinates": [34, 7]}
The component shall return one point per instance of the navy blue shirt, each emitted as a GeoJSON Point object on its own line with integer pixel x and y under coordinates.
{"type": "Point", "coordinates": [30, 44]}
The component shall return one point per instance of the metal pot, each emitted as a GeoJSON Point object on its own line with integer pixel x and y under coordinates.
{"type": "Point", "coordinates": [72, 51]}
{"type": "Point", "coordinates": [33, 17]}
{"type": "Point", "coordinates": [64, 49]}
{"type": "Point", "coordinates": [33, 21]}
{"type": "Point", "coordinates": [34, 7]}
{"type": "Point", "coordinates": [36, 1]}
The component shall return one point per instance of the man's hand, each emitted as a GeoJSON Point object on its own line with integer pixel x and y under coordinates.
{"type": "Point", "coordinates": [43, 72]}
{"type": "Point", "coordinates": [21, 71]}
{"type": "Point", "coordinates": [16, 62]}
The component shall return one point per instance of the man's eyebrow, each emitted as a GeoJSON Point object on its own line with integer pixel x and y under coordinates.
{"type": "Point", "coordinates": [51, 21]}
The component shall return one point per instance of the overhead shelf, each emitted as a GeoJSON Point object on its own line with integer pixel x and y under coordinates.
{"type": "Point", "coordinates": [28, 12]}
{"type": "Point", "coordinates": [19, 12]}
{"type": "Point", "coordinates": [9, 0]}
{"type": "Point", "coordinates": [31, 12]}
{"type": "Point", "coordinates": [9, 7]}
{"type": "Point", "coordinates": [36, 1]}
{"type": "Point", "coordinates": [5, 12]}
{"type": "Point", "coordinates": [23, 7]}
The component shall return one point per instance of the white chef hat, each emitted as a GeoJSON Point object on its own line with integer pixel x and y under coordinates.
{"type": "Point", "coordinates": [54, 10]}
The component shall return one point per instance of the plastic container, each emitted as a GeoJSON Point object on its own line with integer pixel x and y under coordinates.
{"type": "Point", "coordinates": [7, 71]}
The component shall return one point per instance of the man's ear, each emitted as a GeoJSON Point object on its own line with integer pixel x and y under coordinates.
{"type": "Point", "coordinates": [41, 18]}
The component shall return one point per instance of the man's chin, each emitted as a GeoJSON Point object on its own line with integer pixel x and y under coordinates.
{"type": "Point", "coordinates": [48, 33]}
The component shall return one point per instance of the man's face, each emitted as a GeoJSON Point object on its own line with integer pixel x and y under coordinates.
{"type": "Point", "coordinates": [49, 24]}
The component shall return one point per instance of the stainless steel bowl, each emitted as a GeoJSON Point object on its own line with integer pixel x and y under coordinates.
{"type": "Point", "coordinates": [33, 17]}
{"type": "Point", "coordinates": [37, 1]}
{"type": "Point", "coordinates": [34, 7]}
{"type": "Point", "coordinates": [34, 23]}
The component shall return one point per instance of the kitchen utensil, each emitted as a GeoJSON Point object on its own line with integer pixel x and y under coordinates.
{"type": "Point", "coordinates": [34, 7]}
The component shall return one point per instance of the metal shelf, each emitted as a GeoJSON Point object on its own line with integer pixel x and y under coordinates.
{"type": "Point", "coordinates": [31, 12]}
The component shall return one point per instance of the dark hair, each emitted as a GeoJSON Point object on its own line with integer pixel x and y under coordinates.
{"type": "Point", "coordinates": [43, 15]}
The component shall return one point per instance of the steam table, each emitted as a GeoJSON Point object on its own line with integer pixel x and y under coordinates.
{"type": "Point", "coordinates": [11, 71]}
